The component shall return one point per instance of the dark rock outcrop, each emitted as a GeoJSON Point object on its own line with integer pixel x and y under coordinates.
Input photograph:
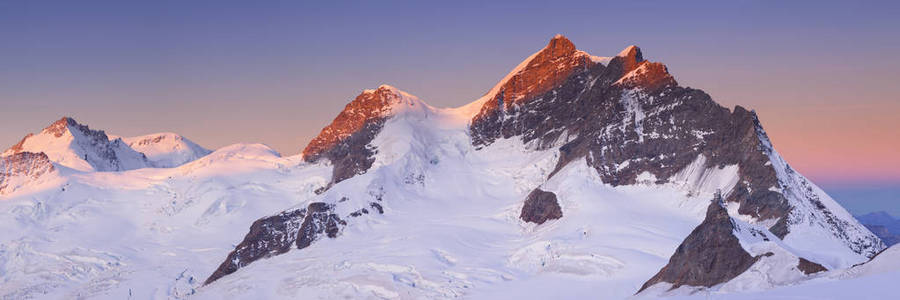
{"type": "Point", "coordinates": [22, 164]}
{"type": "Point", "coordinates": [377, 207]}
{"type": "Point", "coordinates": [630, 116]}
{"type": "Point", "coordinates": [808, 267]}
{"type": "Point", "coordinates": [540, 206]}
{"type": "Point", "coordinates": [267, 237]}
{"type": "Point", "coordinates": [276, 234]}
{"type": "Point", "coordinates": [320, 219]}
{"type": "Point", "coordinates": [359, 212]}
{"type": "Point", "coordinates": [710, 255]}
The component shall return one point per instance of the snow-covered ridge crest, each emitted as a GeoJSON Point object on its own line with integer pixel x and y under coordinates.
{"type": "Point", "coordinates": [817, 222]}
{"type": "Point", "coordinates": [166, 150]}
{"type": "Point", "coordinates": [76, 146]}
{"type": "Point", "coordinates": [536, 74]}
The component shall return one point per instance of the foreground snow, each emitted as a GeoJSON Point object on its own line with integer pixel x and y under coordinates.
{"type": "Point", "coordinates": [144, 232]}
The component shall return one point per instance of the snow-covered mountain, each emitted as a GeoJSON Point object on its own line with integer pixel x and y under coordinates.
{"type": "Point", "coordinates": [166, 150]}
{"type": "Point", "coordinates": [883, 225]}
{"type": "Point", "coordinates": [575, 176]}
{"type": "Point", "coordinates": [76, 146]}
{"type": "Point", "coordinates": [73, 148]}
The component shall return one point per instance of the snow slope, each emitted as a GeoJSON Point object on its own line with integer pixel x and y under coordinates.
{"type": "Point", "coordinates": [166, 150]}
{"type": "Point", "coordinates": [78, 147]}
{"type": "Point", "coordinates": [145, 232]}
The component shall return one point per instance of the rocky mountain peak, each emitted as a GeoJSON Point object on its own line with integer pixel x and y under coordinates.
{"type": "Point", "coordinates": [559, 47]}
{"type": "Point", "coordinates": [56, 129]}
{"type": "Point", "coordinates": [545, 70]}
{"type": "Point", "coordinates": [345, 141]}
{"type": "Point", "coordinates": [60, 127]}
{"type": "Point", "coordinates": [369, 106]}
{"type": "Point", "coordinates": [542, 71]}
{"type": "Point", "coordinates": [632, 58]}
{"type": "Point", "coordinates": [68, 124]}
{"type": "Point", "coordinates": [710, 255]}
{"type": "Point", "coordinates": [77, 146]}
{"type": "Point", "coordinates": [649, 76]}
{"type": "Point", "coordinates": [638, 73]}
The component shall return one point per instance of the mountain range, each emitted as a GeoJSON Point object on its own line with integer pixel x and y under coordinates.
{"type": "Point", "coordinates": [574, 176]}
{"type": "Point", "coordinates": [883, 225]}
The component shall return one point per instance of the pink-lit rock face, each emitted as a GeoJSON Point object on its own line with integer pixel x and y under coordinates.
{"type": "Point", "coordinates": [344, 141]}
{"type": "Point", "coordinates": [546, 70]}
{"type": "Point", "coordinates": [368, 107]}
{"type": "Point", "coordinates": [21, 168]}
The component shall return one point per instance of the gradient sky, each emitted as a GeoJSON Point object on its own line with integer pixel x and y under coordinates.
{"type": "Point", "coordinates": [824, 77]}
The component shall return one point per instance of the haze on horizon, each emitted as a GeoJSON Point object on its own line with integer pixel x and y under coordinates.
{"type": "Point", "coordinates": [822, 79]}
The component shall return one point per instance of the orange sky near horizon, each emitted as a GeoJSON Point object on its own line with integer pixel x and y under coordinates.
{"type": "Point", "coordinates": [838, 144]}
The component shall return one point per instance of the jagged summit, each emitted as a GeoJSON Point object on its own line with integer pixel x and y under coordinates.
{"type": "Point", "coordinates": [632, 58]}
{"type": "Point", "coordinates": [369, 105]}
{"type": "Point", "coordinates": [59, 127]}
{"type": "Point", "coordinates": [384, 87]}
{"type": "Point", "coordinates": [559, 46]}
{"type": "Point", "coordinates": [559, 78]}
{"type": "Point", "coordinates": [76, 146]}
{"type": "Point", "coordinates": [538, 73]}
{"type": "Point", "coordinates": [631, 50]}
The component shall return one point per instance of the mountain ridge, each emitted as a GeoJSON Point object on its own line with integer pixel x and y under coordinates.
{"type": "Point", "coordinates": [602, 171]}
{"type": "Point", "coordinates": [76, 146]}
{"type": "Point", "coordinates": [556, 98]}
